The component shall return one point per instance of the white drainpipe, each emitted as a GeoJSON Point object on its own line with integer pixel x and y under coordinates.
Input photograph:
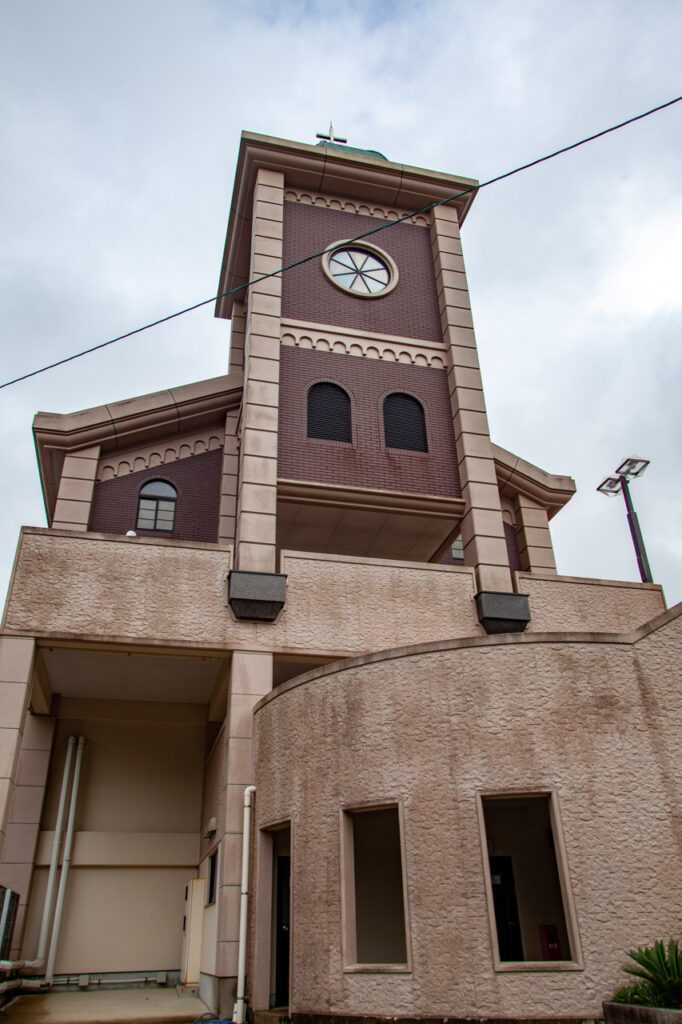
{"type": "Point", "coordinates": [54, 862]}
{"type": "Point", "coordinates": [239, 1006]}
{"type": "Point", "coordinates": [7, 965]}
{"type": "Point", "coordinates": [49, 970]}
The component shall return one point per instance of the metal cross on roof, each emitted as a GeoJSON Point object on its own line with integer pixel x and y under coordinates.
{"type": "Point", "coordinates": [330, 137]}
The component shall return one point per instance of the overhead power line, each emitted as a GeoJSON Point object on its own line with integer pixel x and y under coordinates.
{"type": "Point", "coordinates": [357, 238]}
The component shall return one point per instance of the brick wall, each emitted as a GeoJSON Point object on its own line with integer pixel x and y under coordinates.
{"type": "Point", "coordinates": [366, 462]}
{"type": "Point", "coordinates": [197, 481]}
{"type": "Point", "coordinates": [411, 309]}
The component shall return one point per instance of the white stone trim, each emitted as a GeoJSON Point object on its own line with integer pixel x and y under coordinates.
{"type": "Point", "coordinates": [346, 205]}
{"type": "Point", "coordinates": [390, 349]}
{"type": "Point", "coordinates": [117, 464]}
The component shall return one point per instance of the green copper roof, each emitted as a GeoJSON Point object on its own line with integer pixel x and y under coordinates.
{"type": "Point", "coordinates": [352, 149]}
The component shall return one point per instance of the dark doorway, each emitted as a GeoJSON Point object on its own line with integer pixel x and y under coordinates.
{"type": "Point", "coordinates": [282, 922]}
{"type": "Point", "coordinates": [506, 909]}
{"type": "Point", "coordinates": [528, 901]}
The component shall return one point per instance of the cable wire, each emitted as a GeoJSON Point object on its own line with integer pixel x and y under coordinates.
{"type": "Point", "coordinates": [357, 238]}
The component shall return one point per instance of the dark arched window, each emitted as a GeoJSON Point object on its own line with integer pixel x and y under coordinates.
{"type": "Point", "coordinates": [329, 413]}
{"type": "Point", "coordinates": [156, 507]}
{"type": "Point", "coordinates": [404, 423]}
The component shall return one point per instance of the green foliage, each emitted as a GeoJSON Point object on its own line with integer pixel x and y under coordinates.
{"type": "Point", "coordinates": [640, 993]}
{"type": "Point", "coordinates": [660, 970]}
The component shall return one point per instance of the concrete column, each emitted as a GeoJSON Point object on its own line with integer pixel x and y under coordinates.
{"type": "Point", "coordinates": [482, 527]}
{"type": "Point", "coordinates": [257, 494]}
{"type": "Point", "coordinates": [25, 810]}
{"type": "Point", "coordinates": [250, 679]}
{"type": "Point", "coordinates": [17, 656]}
{"type": "Point", "coordinates": [74, 499]}
{"type": "Point", "coordinates": [535, 541]}
{"type": "Point", "coordinates": [228, 487]}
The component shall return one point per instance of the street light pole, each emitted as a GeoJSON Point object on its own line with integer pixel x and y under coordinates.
{"type": "Point", "coordinates": [636, 533]}
{"type": "Point", "coordinates": [630, 468]}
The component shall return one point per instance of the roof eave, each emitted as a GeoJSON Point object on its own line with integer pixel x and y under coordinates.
{"type": "Point", "coordinates": [516, 476]}
{"type": "Point", "coordinates": [127, 423]}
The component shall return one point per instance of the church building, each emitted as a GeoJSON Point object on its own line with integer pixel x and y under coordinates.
{"type": "Point", "coordinates": [296, 707]}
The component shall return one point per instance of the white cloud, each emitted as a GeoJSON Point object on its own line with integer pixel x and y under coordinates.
{"type": "Point", "coordinates": [121, 128]}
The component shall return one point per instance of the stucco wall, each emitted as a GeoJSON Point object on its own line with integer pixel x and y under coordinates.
{"type": "Point", "coordinates": [568, 603]}
{"type": "Point", "coordinates": [175, 593]}
{"type": "Point", "coordinates": [596, 723]}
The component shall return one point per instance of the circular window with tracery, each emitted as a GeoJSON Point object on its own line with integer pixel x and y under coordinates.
{"type": "Point", "coordinates": [361, 269]}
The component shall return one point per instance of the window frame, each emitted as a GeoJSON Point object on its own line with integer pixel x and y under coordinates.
{"type": "Point", "coordinates": [348, 918]}
{"type": "Point", "coordinates": [155, 529]}
{"type": "Point", "coordinates": [392, 448]}
{"type": "Point", "coordinates": [351, 418]}
{"type": "Point", "coordinates": [534, 966]}
{"type": "Point", "coordinates": [371, 250]}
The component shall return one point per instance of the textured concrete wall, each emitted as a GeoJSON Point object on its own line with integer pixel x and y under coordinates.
{"type": "Point", "coordinates": [597, 724]}
{"type": "Point", "coordinates": [567, 603]}
{"type": "Point", "coordinates": [169, 592]}
{"type": "Point", "coordinates": [173, 593]}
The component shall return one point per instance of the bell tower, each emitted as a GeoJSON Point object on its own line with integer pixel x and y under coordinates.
{"type": "Point", "coordinates": [363, 427]}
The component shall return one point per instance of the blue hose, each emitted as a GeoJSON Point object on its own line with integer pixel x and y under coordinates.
{"type": "Point", "coordinates": [210, 1018]}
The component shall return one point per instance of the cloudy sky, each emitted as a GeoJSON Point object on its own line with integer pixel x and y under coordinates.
{"type": "Point", "coordinates": [120, 125]}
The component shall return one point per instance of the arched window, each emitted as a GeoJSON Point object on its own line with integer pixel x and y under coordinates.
{"type": "Point", "coordinates": [329, 413]}
{"type": "Point", "coordinates": [156, 507]}
{"type": "Point", "coordinates": [404, 423]}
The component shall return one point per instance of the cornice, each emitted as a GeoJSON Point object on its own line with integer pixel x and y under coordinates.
{"type": "Point", "coordinates": [304, 492]}
{"type": "Point", "coordinates": [516, 476]}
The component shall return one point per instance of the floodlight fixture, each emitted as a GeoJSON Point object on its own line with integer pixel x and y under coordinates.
{"type": "Point", "coordinates": [632, 467]}
{"type": "Point", "coordinates": [609, 486]}
{"type": "Point", "coordinates": [629, 469]}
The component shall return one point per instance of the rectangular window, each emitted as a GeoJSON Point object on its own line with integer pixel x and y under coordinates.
{"type": "Point", "coordinates": [374, 891]}
{"type": "Point", "coordinates": [528, 909]}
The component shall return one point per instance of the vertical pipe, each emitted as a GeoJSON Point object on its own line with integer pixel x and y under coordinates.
{"type": "Point", "coordinates": [636, 534]}
{"type": "Point", "coordinates": [54, 862]}
{"type": "Point", "coordinates": [68, 844]}
{"type": "Point", "coordinates": [238, 1013]}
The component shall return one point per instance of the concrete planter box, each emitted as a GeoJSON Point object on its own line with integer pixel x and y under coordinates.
{"type": "Point", "coordinates": [623, 1013]}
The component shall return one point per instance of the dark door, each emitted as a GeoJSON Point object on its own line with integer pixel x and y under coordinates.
{"type": "Point", "coordinates": [506, 910]}
{"type": "Point", "coordinates": [282, 917]}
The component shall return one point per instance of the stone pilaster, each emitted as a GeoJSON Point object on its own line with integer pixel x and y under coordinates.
{"type": "Point", "coordinates": [237, 338]}
{"type": "Point", "coordinates": [23, 818]}
{"type": "Point", "coordinates": [250, 679]}
{"type": "Point", "coordinates": [532, 530]}
{"type": "Point", "coordinates": [482, 527]}
{"type": "Point", "coordinates": [257, 494]}
{"type": "Point", "coordinates": [228, 485]}
{"type": "Point", "coordinates": [17, 656]}
{"type": "Point", "coordinates": [74, 499]}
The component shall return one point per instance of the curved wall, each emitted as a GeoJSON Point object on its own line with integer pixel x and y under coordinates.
{"type": "Point", "coordinates": [430, 728]}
